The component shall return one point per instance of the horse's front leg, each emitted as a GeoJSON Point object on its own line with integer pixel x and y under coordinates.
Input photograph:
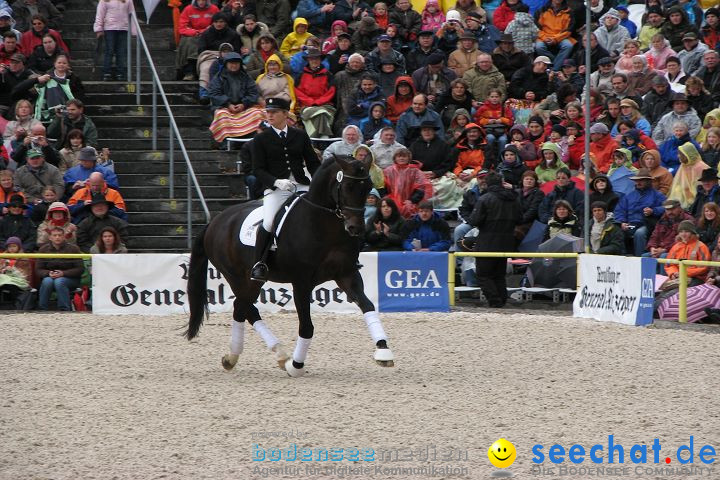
{"type": "Point", "coordinates": [295, 366]}
{"type": "Point", "coordinates": [353, 287]}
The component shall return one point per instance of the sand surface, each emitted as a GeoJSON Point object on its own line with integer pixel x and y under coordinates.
{"type": "Point", "coordinates": [92, 397]}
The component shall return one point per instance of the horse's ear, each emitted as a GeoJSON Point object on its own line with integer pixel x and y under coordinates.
{"type": "Point", "coordinates": [342, 161]}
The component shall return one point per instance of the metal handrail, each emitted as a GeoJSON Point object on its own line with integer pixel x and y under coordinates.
{"type": "Point", "coordinates": [174, 130]}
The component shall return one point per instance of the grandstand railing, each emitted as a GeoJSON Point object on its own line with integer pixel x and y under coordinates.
{"type": "Point", "coordinates": [174, 131]}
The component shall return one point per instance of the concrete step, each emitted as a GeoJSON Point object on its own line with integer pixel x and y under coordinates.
{"type": "Point", "coordinates": [117, 144]}
{"type": "Point", "coordinates": [151, 218]}
{"type": "Point", "coordinates": [166, 72]}
{"type": "Point", "coordinates": [154, 192]}
{"type": "Point", "coordinates": [95, 87]}
{"type": "Point", "coordinates": [149, 181]}
{"type": "Point", "coordinates": [189, 125]}
{"type": "Point", "coordinates": [179, 110]}
{"type": "Point", "coordinates": [100, 103]}
{"type": "Point", "coordinates": [158, 243]}
{"type": "Point", "coordinates": [179, 204]}
{"type": "Point", "coordinates": [178, 229]}
{"type": "Point", "coordinates": [163, 169]}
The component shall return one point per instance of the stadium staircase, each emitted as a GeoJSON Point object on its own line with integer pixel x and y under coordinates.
{"type": "Point", "coordinates": [157, 222]}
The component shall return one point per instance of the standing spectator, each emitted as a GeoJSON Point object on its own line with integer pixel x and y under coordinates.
{"type": "Point", "coordinates": [484, 77]}
{"type": "Point", "coordinates": [57, 216]}
{"type": "Point", "coordinates": [59, 275]}
{"type": "Point", "coordinates": [606, 238]}
{"type": "Point", "coordinates": [98, 218]}
{"type": "Point", "coordinates": [33, 177]}
{"type": "Point", "coordinates": [496, 214]}
{"type": "Point", "coordinates": [638, 211]}
{"type": "Point", "coordinates": [384, 232]}
{"type": "Point", "coordinates": [194, 19]}
{"type": "Point", "coordinates": [507, 58]}
{"type": "Point", "coordinates": [16, 224]}
{"type": "Point", "coordinates": [523, 30]}
{"type": "Point", "coordinates": [556, 26]}
{"type": "Point", "coordinates": [427, 231]}
{"type": "Point", "coordinates": [73, 118]}
{"type": "Point", "coordinates": [108, 241]}
{"type": "Point", "coordinates": [24, 10]}
{"type": "Point", "coordinates": [111, 23]}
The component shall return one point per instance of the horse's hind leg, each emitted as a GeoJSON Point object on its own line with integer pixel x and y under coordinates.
{"type": "Point", "coordinates": [294, 366]}
{"type": "Point", "coordinates": [353, 287]}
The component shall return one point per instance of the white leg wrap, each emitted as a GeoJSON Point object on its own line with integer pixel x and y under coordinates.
{"type": "Point", "coordinates": [265, 333]}
{"type": "Point", "coordinates": [301, 348]}
{"type": "Point", "coordinates": [374, 325]}
{"type": "Point", "coordinates": [237, 337]}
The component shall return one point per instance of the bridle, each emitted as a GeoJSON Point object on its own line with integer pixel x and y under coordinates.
{"type": "Point", "coordinates": [339, 204]}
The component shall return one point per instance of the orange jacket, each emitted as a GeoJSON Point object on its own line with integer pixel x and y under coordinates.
{"type": "Point", "coordinates": [555, 26]}
{"type": "Point", "coordinates": [468, 158]}
{"type": "Point", "coordinates": [487, 110]}
{"type": "Point", "coordinates": [693, 250]}
{"type": "Point", "coordinates": [84, 194]}
{"type": "Point", "coordinates": [603, 150]}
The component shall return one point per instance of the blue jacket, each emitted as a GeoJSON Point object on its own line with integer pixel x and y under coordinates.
{"type": "Point", "coordinates": [641, 124]}
{"type": "Point", "coordinates": [369, 127]}
{"type": "Point", "coordinates": [630, 207]}
{"type": "Point", "coordinates": [310, 11]}
{"type": "Point", "coordinates": [408, 125]}
{"type": "Point", "coordinates": [79, 173]}
{"type": "Point", "coordinates": [669, 151]}
{"type": "Point", "coordinates": [434, 234]}
{"type": "Point", "coordinates": [631, 27]}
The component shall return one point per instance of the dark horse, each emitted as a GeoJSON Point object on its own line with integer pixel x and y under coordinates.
{"type": "Point", "coordinates": [317, 244]}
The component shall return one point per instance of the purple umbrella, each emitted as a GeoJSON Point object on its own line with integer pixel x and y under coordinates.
{"type": "Point", "coordinates": [698, 298]}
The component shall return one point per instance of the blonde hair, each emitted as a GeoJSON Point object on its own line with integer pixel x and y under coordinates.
{"type": "Point", "coordinates": [5, 174]}
{"type": "Point", "coordinates": [21, 103]}
{"type": "Point", "coordinates": [705, 146]}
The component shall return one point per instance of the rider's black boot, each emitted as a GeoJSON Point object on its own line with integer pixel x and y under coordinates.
{"type": "Point", "coordinates": [263, 242]}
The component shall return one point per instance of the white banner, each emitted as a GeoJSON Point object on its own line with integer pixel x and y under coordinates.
{"type": "Point", "coordinates": [154, 284]}
{"type": "Point", "coordinates": [150, 6]}
{"type": "Point", "coordinates": [616, 289]}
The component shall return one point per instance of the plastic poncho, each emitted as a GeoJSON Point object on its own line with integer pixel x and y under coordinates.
{"type": "Point", "coordinates": [712, 114]}
{"type": "Point", "coordinates": [376, 173]}
{"type": "Point", "coordinates": [684, 186]}
{"type": "Point", "coordinates": [407, 182]}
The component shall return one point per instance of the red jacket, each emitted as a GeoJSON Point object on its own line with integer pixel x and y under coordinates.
{"type": "Point", "coordinates": [30, 40]}
{"type": "Point", "coordinates": [576, 152]}
{"type": "Point", "coordinates": [603, 150]}
{"type": "Point", "coordinates": [502, 16]}
{"type": "Point", "coordinates": [487, 110]}
{"type": "Point", "coordinates": [194, 21]}
{"type": "Point", "coordinates": [396, 105]}
{"type": "Point", "coordinates": [314, 88]}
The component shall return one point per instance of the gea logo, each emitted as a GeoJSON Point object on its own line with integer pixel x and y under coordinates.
{"type": "Point", "coordinates": [411, 279]}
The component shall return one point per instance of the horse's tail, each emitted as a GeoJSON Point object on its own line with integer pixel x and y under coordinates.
{"type": "Point", "coordinates": [197, 286]}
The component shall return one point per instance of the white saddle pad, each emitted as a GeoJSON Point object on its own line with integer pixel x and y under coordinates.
{"type": "Point", "coordinates": [248, 230]}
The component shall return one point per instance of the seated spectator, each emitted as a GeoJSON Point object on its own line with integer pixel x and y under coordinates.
{"type": "Point", "coordinates": [274, 83]}
{"type": "Point", "coordinates": [457, 97]}
{"type": "Point", "coordinates": [606, 238]}
{"type": "Point", "coordinates": [676, 26]}
{"type": "Point", "coordinates": [629, 111]}
{"type": "Point", "coordinates": [638, 211]}
{"type": "Point", "coordinates": [520, 138]}
{"type": "Point", "coordinates": [108, 241]}
{"type": "Point", "coordinates": [665, 232]}
{"type": "Point", "coordinates": [57, 216]}
{"type": "Point", "coordinates": [711, 29]}
{"type": "Point", "coordinates": [483, 77]}
{"type": "Point", "coordinates": [434, 80]}
{"type": "Point", "coordinates": [564, 189]}
{"type": "Point", "coordinates": [511, 166]}
{"type": "Point", "coordinates": [209, 44]}
{"type": "Point", "coordinates": [265, 47]}
{"type": "Point", "coordinates": [449, 34]}
{"type": "Point", "coordinates": [418, 56]}
{"type": "Point", "coordinates": [10, 36]}
{"type": "Point", "coordinates": [76, 177]}
{"type": "Point", "coordinates": [36, 140]}
{"type": "Point", "coordinates": [433, 153]}
{"type": "Point", "coordinates": [380, 15]}
{"type": "Point", "coordinates": [59, 275]}
{"type": "Point", "coordinates": [366, 35]}
{"type": "Point", "coordinates": [7, 190]}
{"type": "Point", "coordinates": [315, 95]}
{"type": "Point", "coordinates": [622, 157]}
{"type": "Point", "coordinates": [42, 58]}
{"type": "Point", "coordinates": [675, 75]}
{"type": "Point", "coordinates": [669, 148]}
{"type": "Point", "coordinates": [707, 192]}
{"type": "Point", "coordinates": [194, 20]}
{"type": "Point", "coordinates": [73, 117]}
{"type": "Point", "coordinates": [38, 210]}
{"type": "Point", "coordinates": [624, 62]}
{"type": "Point", "coordinates": [506, 57]}
{"type": "Point", "coordinates": [709, 73]}
{"type": "Point", "coordinates": [575, 145]}
{"type": "Point", "coordinates": [432, 16]}
{"type": "Point", "coordinates": [523, 30]}
{"type": "Point", "coordinates": [458, 123]}
{"type": "Point", "coordinates": [659, 52]}
{"type": "Point", "coordinates": [691, 55]}
{"type": "Point", "coordinates": [234, 99]}
{"type": "Point", "coordinates": [16, 130]}
{"type": "Point", "coordinates": [384, 52]}
{"type": "Point", "coordinates": [409, 122]}
{"type": "Point", "coordinates": [15, 273]}
{"type": "Point", "coordinates": [601, 79]}
{"type": "Point", "coordinates": [699, 99]}
{"type": "Point", "coordinates": [427, 231]}
{"type": "Point", "coordinates": [601, 190]}
{"type": "Point", "coordinates": [495, 119]}
{"type": "Point", "coordinates": [34, 36]}
{"type": "Point", "coordinates": [685, 181]}
{"type": "Point", "coordinates": [338, 57]}
{"type": "Point", "coordinates": [708, 223]}
{"type": "Point", "coordinates": [24, 10]}
{"type": "Point", "coordinates": [611, 35]}
{"type": "Point", "coordinates": [468, 154]}
{"type": "Point", "coordinates": [362, 152]}
{"type": "Point", "coordinates": [661, 177]}
{"type": "Point", "coordinates": [338, 27]}
{"type": "Point", "coordinates": [465, 56]}
{"type": "Point", "coordinates": [602, 146]}
{"type": "Point", "coordinates": [711, 148]}
{"type": "Point", "coordinates": [530, 197]}
{"type": "Point", "coordinates": [384, 147]}
{"type": "Point", "coordinates": [652, 25]}
{"type": "Point", "coordinates": [634, 140]}
{"type": "Point", "coordinates": [712, 119]}
{"type": "Point", "coordinates": [351, 140]}
{"type": "Point", "coordinates": [245, 24]}
{"type": "Point", "coordinates": [358, 103]}
{"type": "Point", "coordinates": [98, 218]}
{"type": "Point", "coordinates": [295, 40]}
{"type": "Point", "coordinates": [374, 122]}
{"type": "Point", "coordinates": [563, 220]}
{"type": "Point", "coordinates": [406, 184]}
{"type": "Point", "coordinates": [299, 61]}
{"type": "Point", "coordinates": [34, 176]}
{"type": "Point", "coordinates": [96, 185]}
{"type": "Point", "coordinates": [534, 78]}
{"type": "Point", "coordinates": [556, 24]}
{"type": "Point", "coordinates": [550, 164]}
{"type": "Point", "coordinates": [688, 247]}
{"type": "Point", "coordinates": [16, 224]}
{"type": "Point", "coordinates": [69, 153]}
{"type": "Point", "coordinates": [13, 75]}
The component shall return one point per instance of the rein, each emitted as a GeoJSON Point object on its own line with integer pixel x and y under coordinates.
{"type": "Point", "coordinates": [337, 211]}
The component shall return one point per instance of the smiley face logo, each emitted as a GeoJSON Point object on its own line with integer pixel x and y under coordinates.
{"type": "Point", "coordinates": [502, 453]}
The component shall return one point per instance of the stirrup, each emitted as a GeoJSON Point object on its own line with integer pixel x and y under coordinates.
{"type": "Point", "coordinates": [259, 272]}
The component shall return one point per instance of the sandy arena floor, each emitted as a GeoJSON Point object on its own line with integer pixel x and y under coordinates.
{"type": "Point", "coordinates": [90, 397]}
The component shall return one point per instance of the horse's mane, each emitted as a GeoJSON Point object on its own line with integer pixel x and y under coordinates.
{"type": "Point", "coordinates": [326, 168]}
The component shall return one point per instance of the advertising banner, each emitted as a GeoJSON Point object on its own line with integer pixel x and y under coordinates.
{"type": "Point", "coordinates": [616, 289]}
{"type": "Point", "coordinates": [412, 281]}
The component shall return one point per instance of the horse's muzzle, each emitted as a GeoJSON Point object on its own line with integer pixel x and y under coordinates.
{"type": "Point", "coordinates": [354, 230]}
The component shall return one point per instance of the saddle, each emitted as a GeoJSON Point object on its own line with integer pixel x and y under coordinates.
{"type": "Point", "coordinates": [248, 230]}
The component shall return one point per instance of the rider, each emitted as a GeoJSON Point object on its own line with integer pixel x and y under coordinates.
{"type": "Point", "coordinates": [279, 155]}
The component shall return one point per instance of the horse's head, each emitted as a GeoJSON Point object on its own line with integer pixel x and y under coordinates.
{"type": "Point", "coordinates": [351, 186]}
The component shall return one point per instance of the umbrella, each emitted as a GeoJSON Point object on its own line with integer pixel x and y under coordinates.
{"type": "Point", "coordinates": [698, 298]}
{"type": "Point", "coordinates": [533, 238]}
{"type": "Point", "coordinates": [548, 187]}
{"type": "Point", "coordinates": [556, 272]}
{"type": "Point", "coordinates": [620, 180]}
